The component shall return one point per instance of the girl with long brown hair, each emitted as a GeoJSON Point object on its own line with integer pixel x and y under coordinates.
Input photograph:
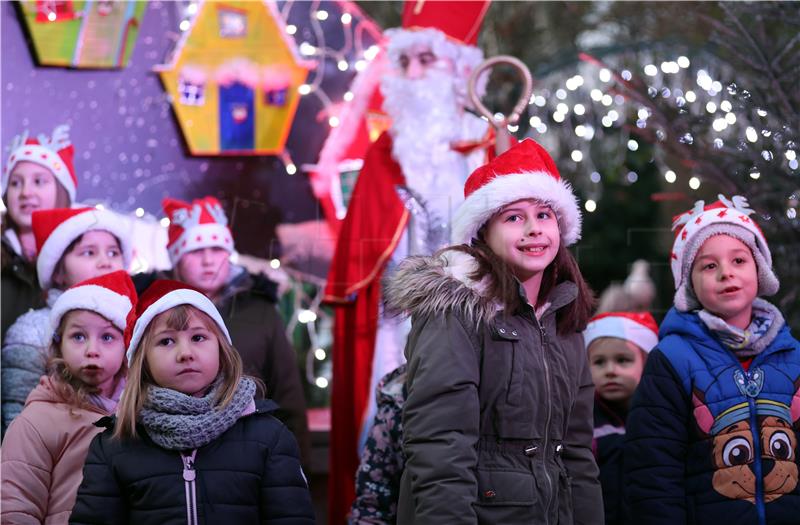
{"type": "Point", "coordinates": [497, 423]}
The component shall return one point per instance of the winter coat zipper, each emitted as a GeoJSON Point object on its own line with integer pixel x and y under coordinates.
{"type": "Point", "coordinates": [189, 476]}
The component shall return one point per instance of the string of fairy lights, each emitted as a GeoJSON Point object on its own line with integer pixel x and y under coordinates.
{"type": "Point", "coordinates": [626, 106]}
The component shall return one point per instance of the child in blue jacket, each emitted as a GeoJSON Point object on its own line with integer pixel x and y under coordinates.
{"type": "Point", "coordinates": [712, 434]}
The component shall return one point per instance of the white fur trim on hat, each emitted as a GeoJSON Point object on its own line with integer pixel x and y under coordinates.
{"type": "Point", "coordinates": [207, 235]}
{"type": "Point", "coordinates": [45, 157]}
{"type": "Point", "coordinates": [72, 228]}
{"type": "Point", "coordinates": [484, 202]}
{"type": "Point", "coordinates": [171, 300]}
{"type": "Point", "coordinates": [111, 305]}
{"type": "Point", "coordinates": [621, 328]}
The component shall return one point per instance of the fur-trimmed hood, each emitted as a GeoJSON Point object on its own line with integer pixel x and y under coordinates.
{"type": "Point", "coordinates": [440, 284]}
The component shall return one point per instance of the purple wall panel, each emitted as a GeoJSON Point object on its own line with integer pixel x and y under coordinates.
{"type": "Point", "coordinates": [129, 149]}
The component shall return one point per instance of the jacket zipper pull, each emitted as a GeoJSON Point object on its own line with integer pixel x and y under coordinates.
{"type": "Point", "coordinates": [189, 476]}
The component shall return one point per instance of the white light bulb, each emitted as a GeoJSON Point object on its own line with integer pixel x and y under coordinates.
{"type": "Point", "coordinates": [590, 205]}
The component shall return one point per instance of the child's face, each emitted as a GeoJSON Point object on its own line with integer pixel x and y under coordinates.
{"type": "Point", "coordinates": [183, 360]}
{"type": "Point", "coordinates": [30, 187]}
{"type": "Point", "coordinates": [525, 235]}
{"type": "Point", "coordinates": [725, 279]}
{"type": "Point", "coordinates": [206, 269]}
{"type": "Point", "coordinates": [93, 349]}
{"type": "Point", "coordinates": [616, 366]}
{"type": "Point", "coordinates": [96, 254]}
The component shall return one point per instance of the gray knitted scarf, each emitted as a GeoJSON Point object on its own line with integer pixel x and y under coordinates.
{"type": "Point", "coordinates": [176, 421]}
{"type": "Point", "coordinates": [767, 321]}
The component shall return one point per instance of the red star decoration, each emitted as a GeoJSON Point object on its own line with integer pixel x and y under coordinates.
{"type": "Point", "coordinates": [673, 256]}
{"type": "Point", "coordinates": [214, 237]}
{"type": "Point", "coordinates": [198, 238]}
{"type": "Point", "coordinates": [698, 220]}
{"type": "Point", "coordinates": [28, 152]}
{"type": "Point", "coordinates": [44, 156]}
{"type": "Point", "coordinates": [722, 213]}
{"type": "Point", "coordinates": [684, 234]}
{"type": "Point", "coordinates": [744, 218]}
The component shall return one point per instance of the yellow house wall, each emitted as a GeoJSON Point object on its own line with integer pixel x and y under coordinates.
{"type": "Point", "coordinates": [263, 45]}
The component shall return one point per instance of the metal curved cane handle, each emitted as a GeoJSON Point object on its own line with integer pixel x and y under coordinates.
{"type": "Point", "coordinates": [503, 138]}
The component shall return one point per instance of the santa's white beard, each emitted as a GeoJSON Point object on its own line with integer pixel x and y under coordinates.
{"type": "Point", "coordinates": [426, 118]}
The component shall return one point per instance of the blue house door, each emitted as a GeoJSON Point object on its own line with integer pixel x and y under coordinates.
{"type": "Point", "coordinates": [236, 117]}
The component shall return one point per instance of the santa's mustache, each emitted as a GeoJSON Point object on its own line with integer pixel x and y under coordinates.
{"type": "Point", "coordinates": [433, 96]}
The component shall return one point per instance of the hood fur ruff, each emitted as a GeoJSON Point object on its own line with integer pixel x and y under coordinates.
{"type": "Point", "coordinates": [436, 285]}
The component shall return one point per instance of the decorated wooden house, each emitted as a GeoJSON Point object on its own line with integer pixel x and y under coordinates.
{"type": "Point", "coordinates": [233, 79]}
{"type": "Point", "coordinates": [83, 34]}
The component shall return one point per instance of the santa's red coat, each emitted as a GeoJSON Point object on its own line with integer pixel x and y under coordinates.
{"type": "Point", "coordinates": [374, 224]}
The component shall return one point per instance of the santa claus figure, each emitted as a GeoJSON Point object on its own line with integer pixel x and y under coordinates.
{"type": "Point", "coordinates": [409, 187]}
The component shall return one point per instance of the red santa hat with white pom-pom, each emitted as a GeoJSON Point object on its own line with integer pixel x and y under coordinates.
{"type": "Point", "coordinates": [163, 295]}
{"type": "Point", "coordinates": [199, 224]}
{"type": "Point", "coordinates": [112, 295]}
{"type": "Point", "coordinates": [525, 171]}
{"type": "Point", "coordinates": [637, 327]}
{"type": "Point", "coordinates": [54, 153]}
{"type": "Point", "coordinates": [723, 217]}
{"type": "Point", "coordinates": [56, 228]}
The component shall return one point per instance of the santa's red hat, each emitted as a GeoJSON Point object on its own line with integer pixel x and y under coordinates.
{"type": "Point", "coordinates": [525, 171]}
{"type": "Point", "coordinates": [54, 153]}
{"type": "Point", "coordinates": [449, 28]}
{"type": "Point", "coordinates": [460, 21]}
{"type": "Point", "coordinates": [637, 327]}
{"type": "Point", "coordinates": [199, 224]}
{"type": "Point", "coordinates": [163, 295]}
{"type": "Point", "coordinates": [723, 217]}
{"type": "Point", "coordinates": [55, 229]}
{"type": "Point", "coordinates": [112, 295]}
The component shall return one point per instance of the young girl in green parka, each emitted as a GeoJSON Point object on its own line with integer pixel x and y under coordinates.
{"type": "Point", "coordinates": [497, 424]}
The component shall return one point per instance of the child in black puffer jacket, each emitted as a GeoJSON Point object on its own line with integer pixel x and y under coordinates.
{"type": "Point", "coordinates": [190, 444]}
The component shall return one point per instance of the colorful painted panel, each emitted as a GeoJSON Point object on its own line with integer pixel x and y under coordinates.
{"type": "Point", "coordinates": [83, 34]}
{"type": "Point", "coordinates": [233, 79]}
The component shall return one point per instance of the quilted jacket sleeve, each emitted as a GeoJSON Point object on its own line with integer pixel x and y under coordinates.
{"type": "Point", "coordinates": [657, 436]}
{"type": "Point", "coordinates": [23, 361]}
{"type": "Point", "coordinates": [441, 422]}
{"type": "Point", "coordinates": [285, 498]}
{"type": "Point", "coordinates": [99, 498]}
{"type": "Point", "coordinates": [27, 467]}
